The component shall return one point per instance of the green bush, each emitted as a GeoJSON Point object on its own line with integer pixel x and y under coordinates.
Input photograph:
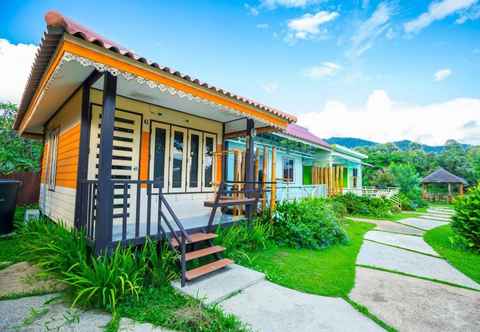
{"type": "Point", "coordinates": [103, 281]}
{"type": "Point", "coordinates": [366, 206]}
{"type": "Point", "coordinates": [243, 237]}
{"type": "Point", "coordinates": [466, 220]}
{"type": "Point", "coordinates": [100, 281]}
{"type": "Point", "coordinates": [51, 246]}
{"type": "Point", "coordinates": [307, 223]}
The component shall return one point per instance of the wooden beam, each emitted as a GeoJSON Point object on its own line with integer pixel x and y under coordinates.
{"type": "Point", "coordinates": [264, 178]}
{"type": "Point", "coordinates": [273, 195]}
{"type": "Point", "coordinates": [103, 227]}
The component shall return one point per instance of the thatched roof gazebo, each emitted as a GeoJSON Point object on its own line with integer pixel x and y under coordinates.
{"type": "Point", "coordinates": [442, 176]}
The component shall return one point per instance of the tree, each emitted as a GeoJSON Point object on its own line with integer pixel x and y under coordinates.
{"type": "Point", "coordinates": [17, 154]}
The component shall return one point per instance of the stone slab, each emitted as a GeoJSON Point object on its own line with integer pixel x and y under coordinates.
{"type": "Point", "coordinates": [222, 284]}
{"type": "Point", "coordinates": [411, 304]}
{"type": "Point", "coordinates": [434, 217]}
{"type": "Point", "coordinates": [268, 307]}
{"type": "Point", "coordinates": [425, 224]}
{"type": "Point", "coordinates": [391, 226]}
{"type": "Point", "coordinates": [382, 256]}
{"type": "Point", "coordinates": [400, 240]}
{"type": "Point", "coordinates": [129, 325]}
{"type": "Point", "coordinates": [17, 315]}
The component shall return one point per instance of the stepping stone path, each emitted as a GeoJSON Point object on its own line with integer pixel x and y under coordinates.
{"type": "Point", "coordinates": [266, 306]}
{"type": "Point", "coordinates": [409, 303]}
{"type": "Point", "coordinates": [412, 304]}
{"type": "Point", "coordinates": [49, 313]}
{"type": "Point", "coordinates": [423, 224]}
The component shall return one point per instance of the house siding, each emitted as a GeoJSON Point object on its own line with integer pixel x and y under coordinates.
{"type": "Point", "coordinates": [59, 203]}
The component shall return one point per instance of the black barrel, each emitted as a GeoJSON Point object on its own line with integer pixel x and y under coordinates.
{"type": "Point", "coordinates": [8, 199]}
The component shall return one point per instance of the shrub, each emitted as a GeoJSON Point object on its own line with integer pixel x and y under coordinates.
{"type": "Point", "coordinates": [51, 246]}
{"type": "Point", "coordinates": [103, 281]}
{"type": "Point", "coordinates": [364, 205]}
{"type": "Point", "coordinates": [466, 220]}
{"type": "Point", "coordinates": [100, 281]}
{"type": "Point", "coordinates": [244, 237]}
{"type": "Point", "coordinates": [307, 223]}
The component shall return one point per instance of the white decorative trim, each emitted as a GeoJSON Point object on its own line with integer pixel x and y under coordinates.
{"type": "Point", "coordinates": [68, 57]}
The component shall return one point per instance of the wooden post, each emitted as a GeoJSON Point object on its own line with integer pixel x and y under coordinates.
{"type": "Point", "coordinates": [250, 166]}
{"type": "Point", "coordinates": [82, 169]}
{"type": "Point", "coordinates": [103, 226]}
{"type": "Point", "coordinates": [461, 189]}
{"type": "Point", "coordinates": [273, 194]}
{"type": "Point", "coordinates": [264, 179]}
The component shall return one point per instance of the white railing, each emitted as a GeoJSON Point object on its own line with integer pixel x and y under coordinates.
{"type": "Point", "coordinates": [288, 192]}
{"type": "Point", "coordinates": [373, 192]}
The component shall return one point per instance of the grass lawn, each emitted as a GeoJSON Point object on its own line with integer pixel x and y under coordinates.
{"type": "Point", "coordinates": [9, 247]}
{"type": "Point", "coordinates": [466, 261]}
{"type": "Point", "coordinates": [329, 272]}
{"type": "Point", "coordinates": [165, 307]}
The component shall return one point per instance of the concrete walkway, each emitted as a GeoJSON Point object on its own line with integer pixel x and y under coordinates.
{"type": "Point", "coordinates": [49, 313]}
{"type": "Point", "coordinates": [409, 303]}
{"type": "Point", "coordinates": [267, 307]}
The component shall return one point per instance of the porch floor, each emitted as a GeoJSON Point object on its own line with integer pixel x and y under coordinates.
{"type": "Point", "coordinates": [189, 224]}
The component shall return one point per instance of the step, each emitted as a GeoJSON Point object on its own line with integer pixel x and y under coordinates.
{"type": "Point", "coordinates": [208, 268]}
{"type": "Point", "coordinates": [203, 252]}
{"type": "Point", "coordinates": [194, 238]}
{"type": "Point", "coordinates": [230, 202]}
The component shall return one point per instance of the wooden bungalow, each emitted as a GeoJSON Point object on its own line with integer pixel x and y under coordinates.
{"type": "Point", "coordinates": [298, 163]}
{"type": "Point", "coordinates": [442, 178]}
{"type": "Point", "coordinates": [133, 149]}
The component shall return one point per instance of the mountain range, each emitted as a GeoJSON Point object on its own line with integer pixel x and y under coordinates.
{"type": "Point", "coordinates": [353, 142]}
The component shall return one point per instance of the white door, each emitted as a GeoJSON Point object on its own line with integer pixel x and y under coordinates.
{"type": "Point", "coordinates": [125, 163]}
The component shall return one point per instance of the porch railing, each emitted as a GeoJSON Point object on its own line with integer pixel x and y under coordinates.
{"type": "Point", "coordinates": [136, 213]}
{"type": "Point", "coordinates": [373, 192]}
{"type": "Point", "coordinates": [287, 191]}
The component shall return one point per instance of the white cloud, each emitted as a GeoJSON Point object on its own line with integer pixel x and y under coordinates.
{"type": "Point", "coordinates": [252, 10]}
{"type": "Point", "coordinates": [308, 25]}
{"type": "Point", "coordinates": [470, 14]}
{"type": "Point", "coordinates": [272, 4]}
{"type": "Point", "coordinates": [383, 120]}
{"type": "Point", "coordinates": [324, 70]}
{"type": "Point", "coordinates": [372, 28]}
{"type": "Point", "coordinates": [15, 64]}
{"type": "Point", "coordinates": [270, 87]}
{"type": "Point", "coordinates": [437, 11]}
{"type": "Point", "coordinates": [263, 26]}
{"type": "Point", "coordinates": [442, 74]}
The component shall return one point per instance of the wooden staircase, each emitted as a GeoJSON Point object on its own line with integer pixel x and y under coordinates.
{"type": "Point", "coordinates": [190, 253]}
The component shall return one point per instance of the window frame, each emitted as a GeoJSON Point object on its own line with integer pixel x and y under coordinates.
{"type": "Point", "coordinates": [214, 163]}
{"type": "Point", "coordinates": [183, 174]}
{"type": "Point", "coordinates": [286, 160]}
{"type": "Point", "coordinates": [52, 159]}
{"type": "Point", "coordinates": [166, 174]}
{"type": "Point", "coordinates": [200, 160]}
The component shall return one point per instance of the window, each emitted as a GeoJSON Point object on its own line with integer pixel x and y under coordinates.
{"type": "Point", "coordinates": [208, 160]}
{"type": "Point", "coordinates": [288, 170]}
{"type": "Point", "coordinates": [159, 151]}
{"type": "Point", "coordinates": [354, 177]}
{"type": "Point", "coordinates": [52, 158]}
{"type": "Point", "coordinates": [178, 156]}
{"type": "Point", "coordinates": [194, 160]}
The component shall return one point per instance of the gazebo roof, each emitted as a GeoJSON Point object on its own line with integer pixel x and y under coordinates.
{"type": "Point", "coordinates": [441, 175]}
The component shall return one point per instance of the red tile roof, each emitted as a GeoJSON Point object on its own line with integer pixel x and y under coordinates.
{"type": "Point", "coordinates": [303, 133]}
{"type": "Point", "coordinates": [56, 20]}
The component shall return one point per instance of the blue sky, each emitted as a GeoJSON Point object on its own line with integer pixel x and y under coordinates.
{"type": "Point", "coordinates": [375, 62]}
